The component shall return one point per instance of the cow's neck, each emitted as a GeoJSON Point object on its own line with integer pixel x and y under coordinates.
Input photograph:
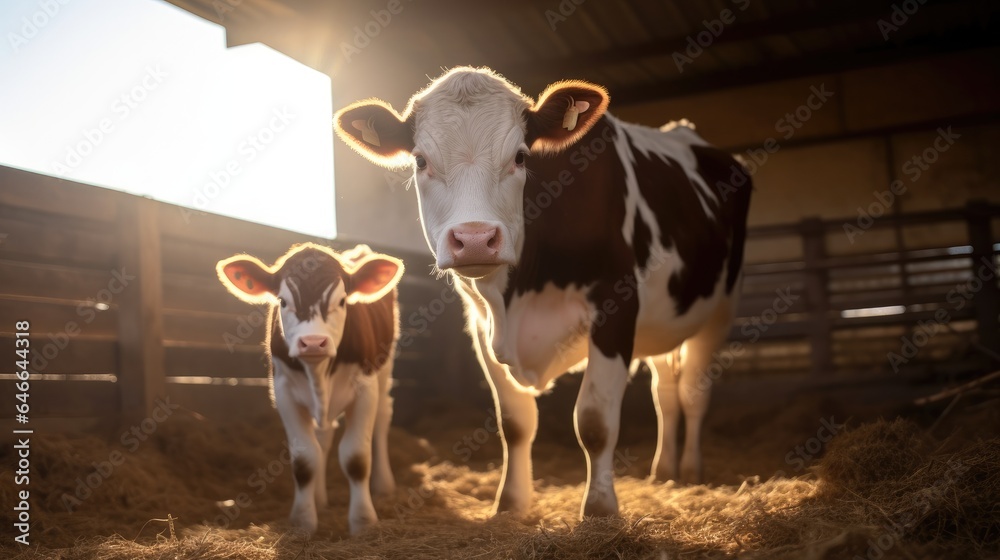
{"type": "Point", "coordinates": [319, 377]}
{"type": "Point", "coordinates": [492, 307]}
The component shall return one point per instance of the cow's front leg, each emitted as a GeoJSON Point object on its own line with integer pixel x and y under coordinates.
{"type": "Point", "coordinates": [355, 452]}
{"type": "Point", "coordinates": [597, 418]}
{"type": "Point", "coordinates": [517, 422]}
{"type": "Point", "coordinates": [306, 452]}
{"type": "Point", "coordinates": [324, 436]}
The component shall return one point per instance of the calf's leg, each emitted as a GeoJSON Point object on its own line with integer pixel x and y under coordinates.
{"type": "Point", "coordinates": [383, 483]}
{"type": "Point", "coordinates": [355, 452]}
{"type": "Point", "coordinates": [306, 455]}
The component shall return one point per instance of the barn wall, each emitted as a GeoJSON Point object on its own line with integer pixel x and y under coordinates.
{"type": "Point", "coordinates": [124, 307]}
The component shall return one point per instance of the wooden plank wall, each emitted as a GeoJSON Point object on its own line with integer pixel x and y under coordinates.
{"type": "Point", "coordinates": [122, 296]}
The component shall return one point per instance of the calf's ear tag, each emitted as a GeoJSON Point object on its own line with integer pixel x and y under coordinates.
{"type": "Point", "coordinates": [367, 129]}
{"type": "Point", "coordinates": [573, 112]}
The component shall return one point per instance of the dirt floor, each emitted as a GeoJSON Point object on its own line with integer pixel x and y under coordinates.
{"type": "Point", "coordinates": [778, 487]}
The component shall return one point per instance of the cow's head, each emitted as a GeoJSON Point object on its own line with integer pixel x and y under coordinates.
{"type": "Point", "coordinates": [468, 136]}
{"type": "Point", "coordinates": [312, 287]}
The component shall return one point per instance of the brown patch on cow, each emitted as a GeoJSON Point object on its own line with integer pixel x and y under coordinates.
{"type": "Point", "coordinates": [731, 182]}
{"type": "Point", "coordinates": [513, 433]}
{"type": "Point", "coordinates": [356, 467]}
{"type": "Point", "coordinates": [369, 334]}
{"type": "Point", "coordinates": [301, 471]}
{"type": "Point", "coordinates": [592, 430]}
{"type": "Point", "coordinates": [561, 249]}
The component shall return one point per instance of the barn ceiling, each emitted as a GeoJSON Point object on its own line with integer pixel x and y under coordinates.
{"type": "Point", "coordinates": [640, 49]}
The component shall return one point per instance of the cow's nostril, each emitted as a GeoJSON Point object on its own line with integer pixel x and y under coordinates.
{"type": "Point", "coordinates": [494, 241]}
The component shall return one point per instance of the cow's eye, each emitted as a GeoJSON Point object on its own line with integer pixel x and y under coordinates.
{"type": "Point", "coordinates": [421, 162]}
{"type": "Point", "coordinates": [519, 158]}
{"type": "Point", "coordinates": [283, 303]}
{"type": "Point", "coordinates": [343, 301]}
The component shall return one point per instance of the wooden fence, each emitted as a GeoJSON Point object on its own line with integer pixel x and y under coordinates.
{"type": "Point", "coordinates": [933, 306]}
{"type": "Point", "coordinates": [124, 306]}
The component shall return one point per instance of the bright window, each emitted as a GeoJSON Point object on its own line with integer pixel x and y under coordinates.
{"type": "Point", "coordinates": [143, 97]}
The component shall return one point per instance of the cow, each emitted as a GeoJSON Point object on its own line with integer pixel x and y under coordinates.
{"type": "Point", "coordinates": [330, 317]}
{"type": "Point", "coordinates": [627, 247]}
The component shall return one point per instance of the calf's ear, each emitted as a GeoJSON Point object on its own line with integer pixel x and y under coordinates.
{"type": "Point", "coordinates": [563, 114]}
{"type": "Point", "coordinates": [247, 278]}
{"type": "Point", "coordinates": [376, 131]}
{"type": "Point", "coordinates": [373, 277]}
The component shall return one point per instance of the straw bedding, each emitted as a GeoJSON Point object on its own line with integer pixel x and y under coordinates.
{"type": "Point", "coordinates": [195, 489]}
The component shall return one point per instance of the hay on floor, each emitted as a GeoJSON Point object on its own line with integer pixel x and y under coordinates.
{"type": "Point", "coordinates": [879, 489]}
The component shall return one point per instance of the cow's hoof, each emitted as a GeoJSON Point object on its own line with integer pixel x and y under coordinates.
{"type": "Point", "coordinates": [663, 474]}
{"type": "Point", "coordinates": [304, 522]}
{"type": "Point", "coordinates": [363, 523]}
{"type": "Point", "coordinates": [507, 503]}
{"type": "Point", "coordinates": [383, 490]}
{"type": "Point", "coordinates": [600, 509]}
{"type": "Point", "coordinates": [691, 475]}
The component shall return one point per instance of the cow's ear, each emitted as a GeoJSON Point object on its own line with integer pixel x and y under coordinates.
{"type": "Point", "coordinates": [247, 278]}
{"type": "Point", "coordinates": [373, 277]}
{"type": "Point", "coordinates": [376, 131]}
{"type": "Point", "coordinates": [563, 114]}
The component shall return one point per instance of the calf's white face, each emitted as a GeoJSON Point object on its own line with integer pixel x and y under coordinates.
{"type": "Point", "coordinates": [468, 137]}
{"type": "Point", "coordinates": [312, 329]}
{"type": "Point", "coordinates": [312, 289]}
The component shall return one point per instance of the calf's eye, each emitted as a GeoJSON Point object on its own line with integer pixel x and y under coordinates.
{"type": "Point", "coordinates": [343, 301]}
{"type": "Point", "coordinates": [283, 303]}
{"type": "Point", "coordinates": [519, 158]}
{"type": "Point", "coordinates": [421, 162]}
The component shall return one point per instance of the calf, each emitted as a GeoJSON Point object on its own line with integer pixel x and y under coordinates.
{"type": "Point", "coordinates": [627, 247]}
{"type": "Point", "coordinates": [331, 318]}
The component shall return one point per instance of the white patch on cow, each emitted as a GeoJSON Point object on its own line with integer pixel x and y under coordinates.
{"type": "Point", "coordinates": [547, 333]}
{"type": "Point", "coordinates": [675, 144]}
{"type": "Point", "coordinates": [659, 329]}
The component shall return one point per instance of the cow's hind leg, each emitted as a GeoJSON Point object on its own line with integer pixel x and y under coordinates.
{"type": "Point", "coordinates": [698, 370]}
{"type": "Point", "coordinates": [665, 369]}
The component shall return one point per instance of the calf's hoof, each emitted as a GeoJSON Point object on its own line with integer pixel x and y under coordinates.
{"type": "Point", "coordinates": [361, 523]}
{"type": "Point", "coordinates": [304, 521]}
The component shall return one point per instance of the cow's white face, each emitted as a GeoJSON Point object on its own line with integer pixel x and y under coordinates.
{"type": "Point", "coordinates": [312, 328]}
{"type": "Point", "coordinates": [469, 160]}
{"type": "Point", "coordinates": [467, 137]}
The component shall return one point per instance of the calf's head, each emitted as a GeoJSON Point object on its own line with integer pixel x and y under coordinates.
{"type": "Point", "coordinates": [469, 136]}
{"type": "Point", "coordinates": [312, 287]}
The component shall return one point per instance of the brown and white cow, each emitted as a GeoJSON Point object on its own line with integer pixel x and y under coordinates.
{"type": "Point", "coordinates": [331, 316]}
{"type": "Point", "coordinates": [573, 237]}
